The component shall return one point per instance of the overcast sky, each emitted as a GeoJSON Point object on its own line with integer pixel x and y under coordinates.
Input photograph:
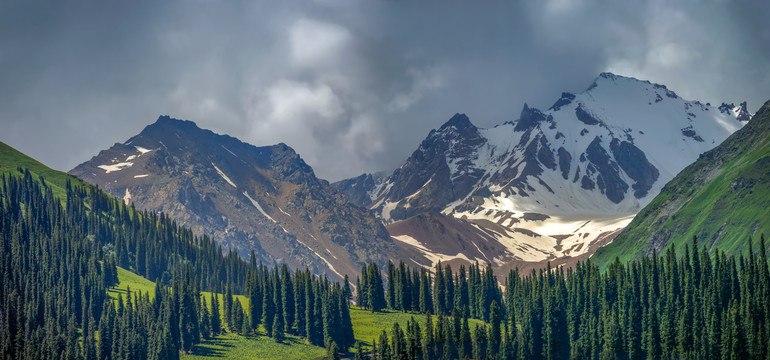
{"type": "Point", "coordinates": [353, 86]}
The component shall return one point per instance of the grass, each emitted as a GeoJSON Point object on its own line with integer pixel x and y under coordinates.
{"type": "Point", "coordinates": [135, 282]}
{"type": "Point", "coordinates": [367, 326]}
{"type": "Point", "coordinates": [231, 346]}
{"type": "Point", "coordinates": [245, 301]}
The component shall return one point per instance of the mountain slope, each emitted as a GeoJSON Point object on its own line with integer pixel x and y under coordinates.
{"type": "Point", "coordinates": [264, 199]}
{"type": "Point", "coordinates": [555, 183]}
{"type": "Point", "coordinates": [11, 159]}
{"type": "Point", "coordinates": [721, 198]}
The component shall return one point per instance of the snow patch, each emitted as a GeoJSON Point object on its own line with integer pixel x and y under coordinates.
{"type": "Point", "coordinates": [228, 150]}
{"type": "Point", "coordinates": [330, 266]}
{"type": "Point", "coordinates": [115, 167]}
{"type": "Point", "coordinates": [142, 150]}
{"type": "Point", "coordinates": [222, 174]}
{"type": "Point", "coordinates": [386, 209]}
{"type": "Point", "coordinates": [434, 257]}
{"type": "Point", "coordinates": [256, 205]}
{"type": "Point", "coordinates": [141, 176]}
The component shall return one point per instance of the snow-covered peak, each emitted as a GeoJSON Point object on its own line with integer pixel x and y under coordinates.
{"type": "Point", "coordinates": [603, 153]}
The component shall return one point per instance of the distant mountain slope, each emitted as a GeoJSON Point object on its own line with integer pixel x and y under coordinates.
{"type": "Point", "coordinates": [722, 198]}
{"type": "Point", "coordinates": [264, 199]}
{"type": "Point", "coordinates": [555, 183]}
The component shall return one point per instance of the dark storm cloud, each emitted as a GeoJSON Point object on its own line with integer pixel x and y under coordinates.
{"type": "Point", "coordinates": [353, 86]}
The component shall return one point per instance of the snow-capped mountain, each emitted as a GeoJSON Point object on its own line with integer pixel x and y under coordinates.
{"type": "Point", "coordinates": [552, 184]}
{"type": "Point", "coordinates": [265, 199]}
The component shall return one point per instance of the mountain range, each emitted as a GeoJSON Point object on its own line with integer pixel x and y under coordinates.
{"type": "Point", "coordinates": [553, 185]}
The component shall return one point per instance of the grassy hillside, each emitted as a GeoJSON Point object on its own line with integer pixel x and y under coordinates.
{"type": "Point", "coordinates": [368, 326]}
{"type": "Point", "coordinates": [134, 282]}
{"type": "Point", "coordinates": [721, 198]}
{"type": "Point", "coordinates": [11, 159]}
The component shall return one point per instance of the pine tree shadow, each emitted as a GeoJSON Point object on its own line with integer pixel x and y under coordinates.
{"type": "Point", "coordinates": [215, 347]}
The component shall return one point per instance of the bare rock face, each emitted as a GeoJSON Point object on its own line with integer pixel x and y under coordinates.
{"type": "Point", "coordinates": [261, 199]}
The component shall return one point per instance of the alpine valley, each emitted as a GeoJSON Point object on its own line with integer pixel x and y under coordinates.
{"type": "Point", "coordinates": [188, 207]}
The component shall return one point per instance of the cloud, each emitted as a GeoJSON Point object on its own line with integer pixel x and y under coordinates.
{"type": "Point", "coordinates": [315, 43]}
{"type": "Point", "coordinates": [291, 101]}
{"type": "Point", "coordinates": [422, 82]}
{"type": "Point", "coordinates": [352, 86]}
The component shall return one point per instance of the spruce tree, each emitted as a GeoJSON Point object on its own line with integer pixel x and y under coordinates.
{"type": "Point", "coordinates": [216, 319]}
{"type": "Point", "coordinates": [268, 310]}
{"type": "Point", "coordinates": [391, 291]}
{"type": "Point", "coordinates": [237, 317]}
{"type": "Point", "coordinates": [466, 343]}
{"type": "Point", "coordinates": [205, 320]}
{"type": "Point", "coordinates": [287, 298]}
{"type": "Point", "coordinates": [480, 342]}
{"type": "Point", "coordinates": [494, 330]}
{"type": "Point", "coordinates": [428, 352]}
{"type": "Point", "coordinates": [278, 331]}
{"type": "Point", "coordinates": [228, 304]}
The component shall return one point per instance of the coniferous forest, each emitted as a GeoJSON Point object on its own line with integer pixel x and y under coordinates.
{"type": "Point", "coordinates": [60, 256]}
{"type": "Point", "coordinates": [694, 306]}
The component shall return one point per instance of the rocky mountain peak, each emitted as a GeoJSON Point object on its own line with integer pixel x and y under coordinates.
{"type": "Point", "coordinates": [246, 197]}
{"type": "Point", "coordinates": [740, 112]}
{"type": "Point", "coordinates": [459, 121]}
{"type": "Point", "coordinates": [622, 83]}
{"type": "Point", "coordinates": [529, 118]}
{"type": "Point", "coordinates": [165, 123]}
{"type": "Point", "coordinates": [743, 113]}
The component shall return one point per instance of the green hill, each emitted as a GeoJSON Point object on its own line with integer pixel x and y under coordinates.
{"type": "Point", "coordinates": [722, 199]}
{"type": "Point", "coordinates": [11, 159]}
